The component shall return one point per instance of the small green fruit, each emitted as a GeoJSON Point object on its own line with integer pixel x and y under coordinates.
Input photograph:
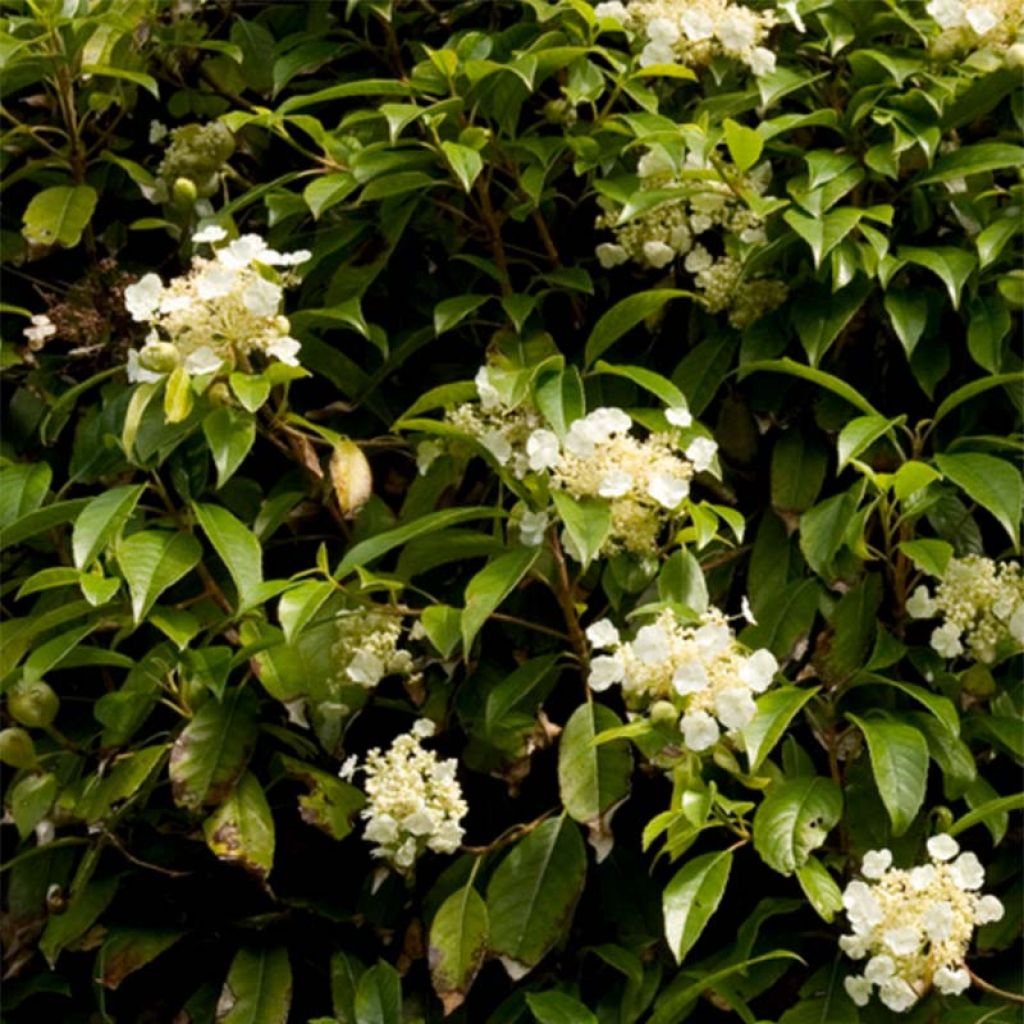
{"type": "Point", "coordinates": [17, 748]}
{"type": "Point", "coordinates": [664, 714]}
{"type": "Point", "coordinates": [158, 356]}
{"type": "Point", "coordinates": [184, 192]}
{"type": "Point", "coordinates": [33, 704]}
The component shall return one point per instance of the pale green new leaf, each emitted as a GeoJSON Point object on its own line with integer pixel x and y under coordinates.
{"type": "Point", "coordinates": [691, 897]}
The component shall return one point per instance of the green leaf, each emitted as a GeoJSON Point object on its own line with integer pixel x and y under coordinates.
{"type": "Point", "coordinates": [330, 805]}
{"type": "Point", "coordinates": [368, 550]}
{"type": "Point", "coordinates": [989, 325]}
{"type": "Point", "coordinates": [559, 397]}
{"type": "Point", "coordinates": [464, 161]}
{"type": "Point", "coordinates": [450, 312]}
{"type": "Point", "coordinates": [993, 483]}
{"type": "Point", "coordinates": [659, 386]}
{"type": "Point", "coordinates": [859, 434]}
{"type": "Point", "coordinates": [820, 889]}
{"type": "Point", "coordinates": [823, 530]}
{"type": "Point", "coordinates": [854, 625]}
{"type": "Point", "coordinates": [251, 389]}
{"type": "Point", "coordinates": [442, 624]}
{"type": "Point", "coordinates": [324, 192]}
{"type": "Point", "coordinates": [58, 215]}
{"type": "Point", "coordinates": [819, 377]}
{"type": "Point", "coordinates": [258, 988]}
{"type": "Point", "coordinates": [84, 907]}
{"type": "Point", "coordinates": [744, 144]}
{"type": "Point", "coordinates": [531, 895]}
{"type": "Point", "coordinates": [908, 313]}
{"type": "Point", "coordinates": [230, 435]}
{"type": "Point", "coordinates": [241, 830]}
{"type": "Point", "coordinates": [100, 520]}
{"type": "Point", "coordinates": [968, 391]}
{"type": "Point", "coordinates": [593, 780]}
{"type": "Point", "coordinates": [127, 950]}
{"type": "Point", "coordinates": [825, 232]}
{"type": "Point", "coordinates": [799, 463]}
{"type": "Point", "coordinates": [587, 521]}
{"type": "Point", "coordinates": [899, 761]}
{"type": "Point", "coordinates": [775, 710]}
{"type": "Point", "coordinates": [691, 897]}
{"type": "Point", "coordinates": [976, 159]}
{"type": "Point", "coordinates": [379, 996]}
{"type": "Point", "coordinates": [820, 317]}
{"type": "Point", "coordinates": [148, 82]}
{"type": "Point", "coordinates": [912, 477]}
{"type": "Point", "coordinates": [993, 239]}
{"type": "Point", "coordinates": [457, 945]}
{"type": "Point", "coordinates": [941, 707]}
{"type": "Point", "coordinates": [489, 587]}
{"type": "Point", "coordinates": [703, 369]}
{"type": "Point", "coordinates": [300, 604]}
{"type": "Point", "coordinates": [990, 809]}
{"type": "Point", "coordinates": [212, 751]}
{"type": "Point", "coordinates": [46, 518]}
{"type": "Point", "coordinates": [558, 1008]}
{"type": "Point", "coordinates": [929, 555]}
{"type": "Point", "coordinates": [951, 265]}
{"type": "Point", "coordinates": [624, 316]}
{"type": "Point", "coordinates": [681, 581]}
{"type": "Point", "coordinates": [793, 820]}
{"type": "Point", "coordinates": [237, 547]}
{"type": "Point", "coordinates": [153, 560]}
{"type": "Point", "coordinates": [23, 489]}
{"type": "Point", "coordinates": [30, 798]}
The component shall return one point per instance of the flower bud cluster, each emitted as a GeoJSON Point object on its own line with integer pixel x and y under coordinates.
{"type": "Point", "coordinates": [214, 318]}
{"type": "Point", "coordinates": [366, 648]}
{"type": "Point", "coordinates": [670, 229]}
{"type": "Point", "coordinates": [196, 153]}
{"type": "Point", "coordinates": [694, 32]}
{"type": "Point", "coordinates": [698, 676]}
{"type": "Point", "coordinates": [970, 24]}
{"type": "Point", "coordinates": [414, 801]}
{"type": "Point", "coordinates": [982, 603]}
{"type": "Point", "coordinates": [913, 927]}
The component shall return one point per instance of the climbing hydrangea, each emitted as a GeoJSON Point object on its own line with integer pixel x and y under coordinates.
{"type": "Point", "coordinates": [697, 676]}
{"type": "Point", "coordinates": [367, 648]}
{"type": "Point", "coordinates": [694, 32]}
{"type": "Point", "coordinates": [982, 603]}
{"type": "Point", "coordinates": [915, 926]}
{"type": "Point", "coordinates": [414, 801]}
{"type": "Point", "coordinates": [219, 315]}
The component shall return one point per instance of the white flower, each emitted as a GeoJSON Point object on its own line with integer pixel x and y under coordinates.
{"type": "Point", "coordinates": [759, 670]}
{"type": "Point", "coordinates": [967, 871]}
{"type": "Point", "coordinates": [902, 941]}
{"type": "Point", "coordinates": [948, 13]}
{"type": "Point", "coordinates": [946, 640]}
{"type": "Point", "coordinates": [211, 233]}
{"type": "Point", "coordinates": [668, 491]}
{"type": "Point", "coordinates": [285, 349]}
{"type": "Point", "coordinates": [605, 670]}
{"type": "Point", "coordinates": [761, 61]}
{"type": "Point", "coordinates": [735, 707]}
{"type": "Point", "coordinates": [542, 448]}
{"type": "Point", "coordinates": [41, 329]}
{"type": "Point", "coordinates": [854, 946]}
{"type": "Point", "coordinates": [697, 24]}
{"type": "Point", "coordinates": [952, 981]}
{"type": "Point", "coordinates": [202, 361]}
{"type": "Point", "coordinates": [897, 994]}
{"type": "Point", "coordinates": [426, 453]}
{"type": "Point", "coordinates": [700, 730]}
{"type": "Point", "coordinates": [262, 297]}
{"type": "Point", "coordinates": [679, 416]}
{"type": "Point", "coordinates": [602, 634]}
{"type": "Point", "coordinates": [532, 527]}
{"type": "Point", "coordinates": [611, 9]}
{"type": "Point", "coordinates": [876, 863]}
{"type": "Point", "coordinates": [942, 847]}
{"type": "Point", "coordinates": [699, 223]}
{"type": "Point", "coordinates": [382, 829]}
{"type": "Point", "coordinates": [1016, 624]}
{"type": "Point", "coordinates": [858, 989]}
{"type": "Point", "coordinates": [698, 258]}
{"type": "Point", "coordinates": [651, 644]}
{"type": "Point", "coordinates": [989, 909]}
{"type": "Point", "coordinates": [736, 31]}
{"type": "Point", "coordinates": [713, 638]}
{"type": "Point", "coordinates": [615, 484]}
{"type": "Point", "coordinates": [658, 254]}
{"type": "Point", "coordinates": [243, 252]}
{"type": "Point", "coordinates": [690, 677]}
{"type": "Point", "coordinates": [489, 395]}
{"type": "Point", "coordinates": [157, 132]}
{"type": "Point", "coordinates": [137, 373]}
{"type": "Point", "coordinates": [365, 668]}
{"type": "Point", "coordinates": [981, 19]}
{"type": "Point", "coordinates": [938, 920]}
{"type": "Point", "coordinates": [142, 298]}
{"type": "Point", "coordinates": [879, 968]}
{"type": "Point", "coordinates": [213, 283]}
{"type": "Point", "coordinates": [656, 53]}
{"type": "Point", "coordinates": [610, 255]}
{"type": "Point", "coordinates": [921, 877]}
{"type": "Point", "coordinates": [920, 604]}
{"type": "Point", "coordinates": [422, 728]}
{"type": "Point", "coordinates": [662, 30]}
{"type": "Point", "coordinates": [790, 7]}
{"type": "Point", "coordinates": [654, 161]}
{"type": "Point", "coordinates": [607, 421]}
{"type": "Point", "coordinates": [497, 444]}
{"type": "Point", "coordinates": [348, 769]}
{"type": "Point", "coordinates": [746, 611]}
{"type": "Point", "coordinates": [701, 452]}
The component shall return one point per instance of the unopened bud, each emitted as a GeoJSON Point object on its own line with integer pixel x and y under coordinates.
{"type": "Point", "coordinates": [184, 192]}
{"type": "Point", "coordinates": [665, 714]}
{"type": "Point", "coordinates": [158, 356]}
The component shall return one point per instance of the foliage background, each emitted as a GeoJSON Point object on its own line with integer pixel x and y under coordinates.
{"type": "Point", "coordinates": [443, 164]}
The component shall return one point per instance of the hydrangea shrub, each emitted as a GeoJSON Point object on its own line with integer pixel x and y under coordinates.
{"type": "Point", "coordinates": [510, 511]}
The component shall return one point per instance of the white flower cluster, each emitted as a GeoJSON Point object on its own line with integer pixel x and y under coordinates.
{"type": "Point", "coordinates": [693, 32]}
{"type": "Point", "coordinates": [42, 327]}
{"type": "Point", "coordinates": [219, 314]}
{"type": "Point", "coordinates": [914, 927]}
{"type": "Point", "coordinates": [414, 801]}
{"type": "Point", "coordinates": [982, 603]}
{"type": "Point", "coordinates": [971, 23]}
{"type": "Point", "coordinates": [669, 230]}
{"type": "Point", "coordinates": [700, 672]}
{"type": "Point", "coordinates": [366, 648]}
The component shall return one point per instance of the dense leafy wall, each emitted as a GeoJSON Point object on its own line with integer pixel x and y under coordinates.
{"type": "Point", "coordinates": [509, 510]}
